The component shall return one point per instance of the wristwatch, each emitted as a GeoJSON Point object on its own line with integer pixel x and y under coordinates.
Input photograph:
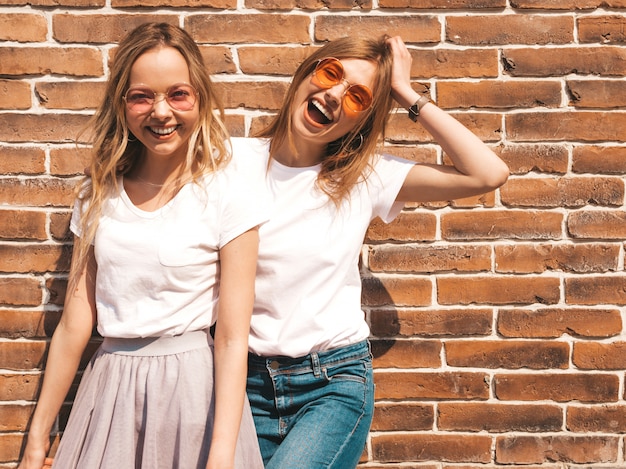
{"type": "Point", "coordinates": [414, 111]}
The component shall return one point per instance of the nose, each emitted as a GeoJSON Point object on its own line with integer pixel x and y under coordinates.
{"type": "Point", "coordinates": [161, 107]}
{"type": "Point", "coordinates": [336, 93]}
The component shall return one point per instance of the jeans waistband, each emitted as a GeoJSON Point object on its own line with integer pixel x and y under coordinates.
{"type": "Point", "coordinates": [154, 346]}
{"type": "Point", "coordinates": [313, 361]}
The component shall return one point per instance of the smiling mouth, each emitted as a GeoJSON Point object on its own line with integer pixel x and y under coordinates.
{"type": "Point", "coordinates": [163, 131]}
{"type": "Point", "coordinates": [318, 113]}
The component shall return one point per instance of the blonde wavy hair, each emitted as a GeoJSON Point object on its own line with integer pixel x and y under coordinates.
{"type": "Point", "coordinates": [348, 160]}
{"type": "Point", "coordinates": [115, 151]}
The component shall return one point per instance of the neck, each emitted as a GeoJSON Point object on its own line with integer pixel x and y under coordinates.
{"type": "Point", "coordinates": [302, 154]}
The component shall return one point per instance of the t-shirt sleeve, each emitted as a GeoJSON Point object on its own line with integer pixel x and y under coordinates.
{"type": "Point", "coordinates": [245, 204]}
{"type": "Point", "coordinates": [80, 206]}
{"type": "Point", "coordinates": [385, 183]}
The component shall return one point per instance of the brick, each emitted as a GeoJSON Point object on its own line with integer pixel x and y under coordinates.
{"type": "Point", "coordinates": [309, 4]}
{"type": "Point", "coordinates": [452, 63]}
{"type": "Point", "coordinates": [546, 62]}
{"type": "Point", "coordinates": [604, 94]}
{"type": "Point", "coordinates": [10, 446]}
{"type": "Point", "coordinates": [605, 419]}
{"type": "Point", "coordinates": [403, 417]}
{"type": "Point", "coordinates": [417, 153]}
{"type": "Point", "coordinates": [59, 3]}
{"type": "Point", "coordinates": [416, 447]}
{"type": "Point", "coordinates": [510, 354]}
{"type": "Point", "coordinates": [498, 95]}
{"type": "Point", "coordinates": [567, 449]}
{"type": "Point", "coordinates": [584, 126]}
{"type": "Point", "coordinates": [59, 226]}
{"type": "Point", "coordinates": [541, 158]}
{"type": "Point", "coordinates": [537, 258]}
{"type": "Point", "coordinates": [237, 29]}
{"type": "Point", "coordinates": [483, 466]}
{"type": "Point", "coordinates": [429, 259]}
{"type": "Point", "coordinates": [221, 4]}
{"type": "Point", "coordinates": [15, 95]}
{"type": "Point", "coordinates": [21, 224]}
{"type": "Point", "coordinates": [488, 127]}
{"type": "Point", "coordinates": [23, 27]}
{"type": "Point", "coordinates": [407, 226]}
{"type": "Point", "coordinates": [55, 289]}
{"type": "Point", "coordinates": [21, 160]}
{"type": "Point", "coordinates": [13, 417]}
{"type": "Point", "coordinates": [37, 192]}
{"type": "Point", "coordinates": [555, 322]}
{"type": "Point", "coordinates": [17, 324]}
{"type": "Point", "coordinates": [509, 29]}
{"type": "Point", "coordinates": [588, 388]}
{"type": "Point", "coordinates": [535, 225]}
{"type": "Point", "coordinates": [22, 355]}
{"type": "Point", "coordinates": [20, 291]}
{"type": "Point", "coordinates": [447, 5]}
{"type": "Point", "coordinates": [34, 258]}
{"type": "Point", "coordinates": [406, 353]}
{"type": "Point", "coordinates": [100, 29]}
{"type": "Point", "coordinates": [235, 125]}
{"type": "Point", "coordinates": [218, 59]}
{"type": "Point", "coordinates": [71, 61]}
{"type": "Point", "coordinates": [609, 29]}
{"type": "Point", "coordinates": [573, 5]}
{"type": "Point", "coordinates": [425, 385]}
{"type": "Point", "coordinates": [70, 95]}
{"type": "Point", "coordinates": [252, 95]}
{"type": "Point", "coordinates": [497, 290]}
{"type": "Point", "coordinates": [19, 387]}
{"type": "Point", "coordinates": [69, 161]}
{"type": "Point", "coordinates": [400, 291]}
{"type": "Point", "coordinates": [598, 224]}
{"type": "Point", "coordinates": [52, 128]}
{"type": "Point", "coordinates": [599, 159]}
{"type": "Point", "coordinates": [498, 418]}
{"type": "Point", "coordinates": [599, 356]}
{"type": "Point", "coordinates": [596, 290]}
{"type": "Point", "coordinates": [431, 322]}
{"type": "Point", "coordinates": [272, 60]}
{"type": "Point", "coordinates": [565, 192]}
{"type": "Point", "coordinates": [420, 29]}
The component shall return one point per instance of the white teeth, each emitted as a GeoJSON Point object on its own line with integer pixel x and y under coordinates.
{"type": "Point", "coordinates": [162, 130]}
{"type": "Point", "coordinates": [323, 110]}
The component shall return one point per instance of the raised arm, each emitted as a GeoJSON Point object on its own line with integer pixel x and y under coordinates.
{"type": "Point", "coordinates": [237, 272]}
{"type": "Point", "coordinates": [475, 170]}
{"type": "Point", "coordinates": [66, 348]}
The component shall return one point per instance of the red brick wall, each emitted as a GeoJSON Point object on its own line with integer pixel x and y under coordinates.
{"type": "Point", "coordinates": [498, 320]}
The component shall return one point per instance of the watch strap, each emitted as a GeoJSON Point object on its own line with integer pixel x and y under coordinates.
{"type": "Point", "coordinates": [414, 111]}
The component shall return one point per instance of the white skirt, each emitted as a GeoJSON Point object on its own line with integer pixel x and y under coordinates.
{"type": "Point", "coordinates": [149, 404]}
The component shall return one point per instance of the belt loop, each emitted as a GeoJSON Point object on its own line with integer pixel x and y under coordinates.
{"type": "Point", "coordinates": [315, 360]}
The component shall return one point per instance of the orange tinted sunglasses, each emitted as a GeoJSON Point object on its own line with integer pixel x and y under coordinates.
{"type": "Point", "coordinates": [329, 72]}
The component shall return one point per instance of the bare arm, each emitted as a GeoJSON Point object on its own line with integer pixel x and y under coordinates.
{"type": "Point", "coordinates": [66, 348]}
{"type": "Point", "coordinates": [475, 170]}
{"type": "Point", "coordinates": [238, 269]}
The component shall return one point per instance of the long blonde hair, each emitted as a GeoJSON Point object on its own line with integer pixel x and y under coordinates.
{"type": "Point", "coordinates": [348, 159]}
{"type": "Point", "coordinates": [115, 151]}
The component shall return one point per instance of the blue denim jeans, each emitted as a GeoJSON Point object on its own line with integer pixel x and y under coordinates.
{"type": "Point", "coordinates": [313, 412]}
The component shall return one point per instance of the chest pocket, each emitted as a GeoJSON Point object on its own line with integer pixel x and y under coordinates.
{"type": "Point", "coordinates": [185, 245]}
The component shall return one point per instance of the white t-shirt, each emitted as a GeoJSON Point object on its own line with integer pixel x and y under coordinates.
{"type": "Point", "coordinates": [308, 287]}
{"type": "Point", "coordinates": [158, 272]}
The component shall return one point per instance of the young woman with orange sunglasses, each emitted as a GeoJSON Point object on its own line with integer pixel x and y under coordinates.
{"type": "Point", "coordinates": [310, 372]}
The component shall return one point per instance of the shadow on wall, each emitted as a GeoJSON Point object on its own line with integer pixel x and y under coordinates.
{"type": "Point", "coordinates": [382, 315]}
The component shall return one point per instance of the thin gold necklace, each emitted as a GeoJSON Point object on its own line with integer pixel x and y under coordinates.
{"type": "Point", "coordinates": [140, 179]}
